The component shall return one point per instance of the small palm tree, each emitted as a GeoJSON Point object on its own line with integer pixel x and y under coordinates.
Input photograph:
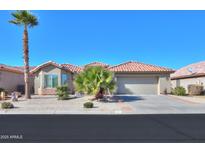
{"type": "Point", "coordinates": [28, 20]}
{"type": "Point", "coordinates": [95, 80]}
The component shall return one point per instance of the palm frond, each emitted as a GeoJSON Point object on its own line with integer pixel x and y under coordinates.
{"type": "Point", "coordinates": [15, 22]}
{"type": "Point", "coordinates": [92, 79]}
{"type": "Point", "coordinates": [24, 17]}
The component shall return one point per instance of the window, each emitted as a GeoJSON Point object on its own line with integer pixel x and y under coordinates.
{"type": "Point", "coordinates": [50, 81]}
{"type": "Point", "coordinates": [64, 79]}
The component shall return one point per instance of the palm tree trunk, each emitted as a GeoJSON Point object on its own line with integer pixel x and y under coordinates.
{"type": "Point", "coordinates": [26, 63]}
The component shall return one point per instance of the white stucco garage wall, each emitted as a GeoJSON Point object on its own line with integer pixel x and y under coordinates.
{"type": "Point", "coordinates": [137, 85]}
{"type": "Point", "coordinates": [164, 83]}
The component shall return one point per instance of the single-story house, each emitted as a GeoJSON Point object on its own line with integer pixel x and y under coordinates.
{"type": "Point", "coordinates": [11, 78]}
{"type": "Point", "coordinates": [131, 77]}
{"type": "Point", "coordinates": [191, 74]}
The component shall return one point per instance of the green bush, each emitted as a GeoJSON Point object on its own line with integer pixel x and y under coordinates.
{"type": "Point", "coordinates": [7, 105]}
{"type": "Point", "coordinates": [179, 91]}
{"type": "Point", "coordinates": [62, 92]}
{"type": "Point", "coordinates": [88, 105]}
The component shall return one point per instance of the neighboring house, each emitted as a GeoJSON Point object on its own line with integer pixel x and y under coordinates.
{"type": "Point", "coordinates": [131, 77]}
{"type": "Point", "coordinates": [12, 78]}
{"type": "Point", "coordinates": [191, 74]}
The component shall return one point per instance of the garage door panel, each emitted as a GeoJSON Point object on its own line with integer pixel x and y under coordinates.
{"type": "Point", "coordinates": [137, 85]}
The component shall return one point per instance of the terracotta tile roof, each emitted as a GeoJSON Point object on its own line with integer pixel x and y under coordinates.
{"type": "Point", "coordinates": [72, 68]}
{"type": "Point", "coordinates": [132, 66]}
{"type": "Point", "coordinates": [192, 70]}
{"type": "Point", "coordinates": [11, 69]}
{"type": "Point", "coordinates": [97, 64]}
{"type": "Point", "coordinates": [67, 67]}
{"type": "Point", "coordinates": [21, 68]}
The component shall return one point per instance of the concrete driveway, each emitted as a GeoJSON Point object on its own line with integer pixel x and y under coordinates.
{"type": "Point", "coordinates": [122, 104]}
{"type": "Point", "coordinates": [162, 104]}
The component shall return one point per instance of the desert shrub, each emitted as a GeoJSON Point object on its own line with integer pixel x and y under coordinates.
{"type": "Point", "coordinates": [7, 105]}
{"type": "Point", "coordinates": [179, 91]}
{"type": "Point", "coordinates": [88, 105]}
{"type": "Point", "coordinates": [195, 89]}
{"type": "Point", "coordinates": [62, 92]}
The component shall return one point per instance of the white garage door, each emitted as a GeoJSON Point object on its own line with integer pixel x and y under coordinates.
{"type": "Point", "coordinates": [137, 85]}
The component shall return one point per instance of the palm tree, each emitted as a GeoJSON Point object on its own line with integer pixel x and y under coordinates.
{"type": "Point", "coordinates": [95, 81]}
{"type": "Point", "coordinates": [27, 20]}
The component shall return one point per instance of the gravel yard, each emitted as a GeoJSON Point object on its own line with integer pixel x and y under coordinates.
{"type": "Point", "coordinates": [122, 104]}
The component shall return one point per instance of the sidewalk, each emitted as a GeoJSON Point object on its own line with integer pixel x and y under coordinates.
{"type": "Point", "coordinates": [190, 99]}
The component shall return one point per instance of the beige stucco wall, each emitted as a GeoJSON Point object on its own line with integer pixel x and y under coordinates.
{"type": "Point", "coordinates": [39, 79]}
{"type": "Point", "coordinates": [37, 82]}
{"type": "Point", "coordinates": [9, 80]}
{"type": "Point", "coordinates": [164, 83]}
{"type": "Point", "coordinates": [185, 82]}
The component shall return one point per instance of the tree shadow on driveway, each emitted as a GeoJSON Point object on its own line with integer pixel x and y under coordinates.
{"type": "Point", "coordinates": [125, 98]}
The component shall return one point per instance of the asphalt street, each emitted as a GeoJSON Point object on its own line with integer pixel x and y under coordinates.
{"type": "Point", "coordinates": [103, 128]}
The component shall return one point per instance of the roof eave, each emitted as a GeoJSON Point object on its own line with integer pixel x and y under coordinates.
{"type": "Point", "coordinates": [163, 72]}
{"type": "Point", "coordinates": [188, 76]}
{"type": "Point", "coordinates": [11, 70]}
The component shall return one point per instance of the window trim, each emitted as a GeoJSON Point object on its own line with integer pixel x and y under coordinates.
{"type": "Point", "coordinates": [51, 77]}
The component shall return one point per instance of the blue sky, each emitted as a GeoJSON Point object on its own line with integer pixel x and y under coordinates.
{"type": "Point", "coordinates": [166, 38]}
